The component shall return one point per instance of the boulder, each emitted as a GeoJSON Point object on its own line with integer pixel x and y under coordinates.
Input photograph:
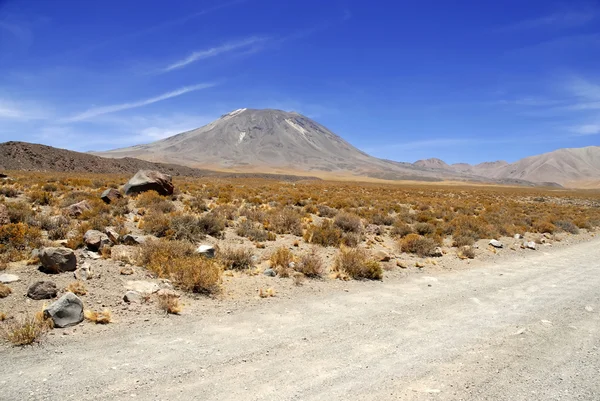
{"type": "Point", "coordinates": [148, 180]}
{"type": "Point", "coordinates": [110, 195]}
{"type": "Point", "coordinates": [132, 297]}
{"type": "Point", "coordinates": [95, 240]}
{"type": "Point", "coordinates": [84, 272]}
{"type": "Point", "coordinates": [129, 239]}
{"type": "Point", "coordinates": [58, 260]}
{"type": "Point", "coordinates": [496, 244]}
{"type": "Point", "coordinates": [206, 250]}
{"type": "Point", "coordinates": [8, 278]}
{"type": "Point", "coordinates": [113, 235]}
{"type": "Point", "coordinates": [77, 209]}
{"type": "Point", "coordinates": [42, 290]}
{"type": "Point", "coordinates": [4, 217]}
{"type": "Point", "coordinates": [66, 311]}
{"type": "Point", "coordinates": [143, 287]}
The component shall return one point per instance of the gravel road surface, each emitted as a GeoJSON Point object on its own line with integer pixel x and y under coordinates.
{"type": "Point", "coordinates": [522, 329]}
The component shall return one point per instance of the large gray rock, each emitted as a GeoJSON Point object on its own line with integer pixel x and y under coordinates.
{"type": "Point", "coordinates": [149, 180]}
{"type": "Point", "coordinates": [42, 290]}
{"type": "Point", "coordinates": [77, 209]}
{"type": "Point", "coordinates": [58, 260]}
{"type": "Point", "coordinates": [110, 195]}
{"type": "Point", "coordinates": [4, 217]}
{"type": "Point", "coordinates": [66, 312]}
{"type": "Point", "coordinates": [95, 240]}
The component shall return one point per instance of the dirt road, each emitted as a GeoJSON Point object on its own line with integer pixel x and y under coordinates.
{"type": "Point", "coordinates": [526, 329]}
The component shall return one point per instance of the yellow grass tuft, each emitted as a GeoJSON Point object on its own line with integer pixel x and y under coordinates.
{"type": "Point", "coordinates": [77, 288]}
{"type": "Point", "coordinates": [103, 317]}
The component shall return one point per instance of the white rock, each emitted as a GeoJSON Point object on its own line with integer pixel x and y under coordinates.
{"type": "Point", "coordinates": [8, 278]}
{"type": "Point", "coordinates": [206, 250]}
{"type": "Point", "coordinates": [143, 287]}
{"type": "Point", "coordinates": [530, 245]}
{"type": "Point", "coordinates": [496, 244]}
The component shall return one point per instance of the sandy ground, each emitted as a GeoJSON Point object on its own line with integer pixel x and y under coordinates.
{"type": "Point", "coordinates": [525, 327]}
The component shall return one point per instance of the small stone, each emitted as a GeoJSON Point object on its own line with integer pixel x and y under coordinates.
{"type": "Point", "coordinates": [95, 240]}
{"type": "Point", "coordinates": [110, 195]}
{"type": "Point", "coordinates": [518, 236]}
{"type": "Point", "coordinates": [206, 250]}
{"type": "Point", "coordinates": [91, 255]}
{"type": "Point", "coordinates": [438, 252]}
{"type": "Point", "coordinates": [496, 244]}
{"type": "Point", "coordinates": [129, 239]}
{"type": "Point", "coordinates": [530, 245]}
{"type": "Point", "coordinates": [127, 271]}
{"type": "Point", "coordinates": [112, 234]}
{"type": "Point", "coordinates": [84, 272]}
{"type": "Point", "coordinates": [132, 297]}
{"type": "Point", "coordinates": [167, 293]}
{"type": "Point", "coordinates": [8, 278]}
{"type": "Point", "coordinates": [66, 312]}
{"type": "Point", "coordinates": [382, 256]}
{"type": "Point", "coordinates": [270, 273]}
{"type": "Point", "coordinates": [42, 290]}
{"type": "Point", "coordinates": [402, 264]}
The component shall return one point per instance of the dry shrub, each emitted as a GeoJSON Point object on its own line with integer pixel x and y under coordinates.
{"type": "Point", "coordinates": [310, 265]}
{"type": "Point", "coordinates": [169, 304]}
{"type": "Point", "coordinates": [154, 202]}
{"type": "Point", "coordinates": [212, 224]}
{"type": "Point", "coordinates": [77, 288]}
{"type": "Point", "coordinates": [466, 252]}
{"type": "Point", "coordinates": [382, 219]}
{"type": "Point", "coordinates": [236, 259]}
{"type": "Point", "coordinates": [348, 222]}
{"type": "Point", "coordinates": [254, 214]}
{"type": "Point", "coordinates": [463, 240]}
{"type": "Point", "coordinates": [103, 317]}
{"type": "Point", "coordinates": [26, 330]}
{"type": "Point", "coordinates": [42, 198]}
{"type": "Point", "coordinates": [4, 290]}
{"type": "Point", "coordinates": [156, 223]}
{"type": "Point", "coordinates": [567, 226]}
{"type": "Point", "coordinates": [357, 264]}
{"type": "Point", "coordinates": [226, 212]}
{"type": "Point", "coordinates": [19, 212]}
{"type": "Point", "coordinates": [254, 232]}
{"type": "Point", "coordinates": [280, 261]}
{"type": "Point", "coordinates": [424, 228]}
{"type": "Point", "coordinates": [544, 227]}
{"type": "Point", "coordinates": [178, 261]}
{"type": "Point", "coordinates": [325, 234]}
{"type": "Point", "coordinates": [185, 227]}
{"type": "Point", "coordinates": [285, 221]}
{"type": "Point", "coordinates": [326, 211]}
{"type": "Point", "coordinates": [9, 192]}
{"type": "Point", "coordinates": [417, 244]}
{"type": "Point", "coordinates": [197, 204]}
{"type": "Point", "coordinates": [17, 240]}
{"type": "Point", "coordinates": [401, 229]}
{"type": "Point", "coordinates": [58, 227]}
{"type": "Point", "coordinates": [269, 292]}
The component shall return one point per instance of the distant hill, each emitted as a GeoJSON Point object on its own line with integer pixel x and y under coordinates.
{"type": "Point", "coordinates": [34, 157]}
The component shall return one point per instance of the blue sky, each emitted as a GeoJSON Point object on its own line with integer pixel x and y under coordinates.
{"type": "Point", "coordinates": [464, 81]}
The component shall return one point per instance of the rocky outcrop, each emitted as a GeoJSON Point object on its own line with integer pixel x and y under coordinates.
{"type": "Point", "coordinates": [111, 195]}
{"type": "Point", "coordinates": [148, 180]}
{"type": "Point", "coordinates": [77, 209]}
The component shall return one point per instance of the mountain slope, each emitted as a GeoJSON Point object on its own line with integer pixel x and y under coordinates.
{"type": "Point", "coordinates": [573, 167]}
{"type": "Point", "coordinates": [33, 157]}
{"type": "Point", "coordinates": [271, 140]}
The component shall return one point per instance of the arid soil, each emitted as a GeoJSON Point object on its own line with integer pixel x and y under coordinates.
{"type": "Point", "coordinates": [514, 325]}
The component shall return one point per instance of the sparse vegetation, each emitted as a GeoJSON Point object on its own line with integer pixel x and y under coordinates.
{"type": "Point", "coordinates": [357, 264]}
{"type": "Point", "coordinates": [169, 304]}
{"type": "Point", "coordinates": [25, 330]}
{"type": "Point", "coordinates": [77, 288]}
{"type": "Point", "coordinates": [104, 317]}
{"type": "Point", "coordinates": [419, 245]}
{"type": "Point", "coordinates": [236, 259]}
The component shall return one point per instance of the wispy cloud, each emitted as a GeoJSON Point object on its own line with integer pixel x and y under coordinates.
{"type": "Point", "coordinates": [565, 19]}
{"type": "Point", "coordinates": [229, 47]}
{"type": "Point", "coordinates": [10, 110]}
{"type": "Point", "coordinates": [585, 130]}
{"type": "Point", "coordinates": [98, 111]}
